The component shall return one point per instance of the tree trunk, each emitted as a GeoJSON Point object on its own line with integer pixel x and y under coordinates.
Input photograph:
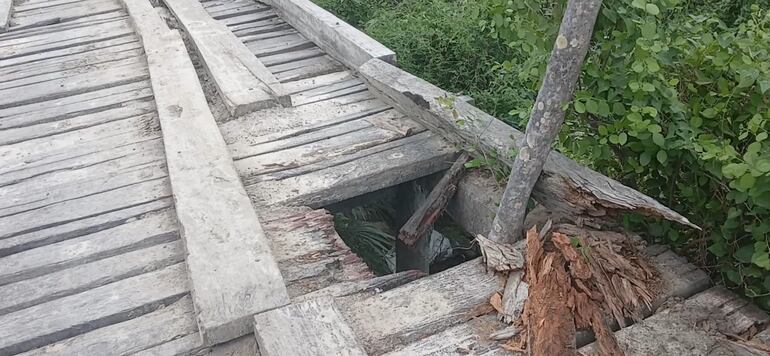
{"type": "Point", "coordinates": [547, 116]}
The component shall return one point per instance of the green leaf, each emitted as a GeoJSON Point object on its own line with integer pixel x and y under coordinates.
{"type": "Point", "coordinates": [761, 258]}
{"type": "Point", "coordinates": [592, 106]}
{"type": "Point", "coordinates": [580, 107]}
{"type": "Point", "coordinates": [639, 4]}
{"type": "Point", "coordinates": [603, 130]}
{"type": "Point", "coordinates": [734, 170]}
{"type": "Point", "coordinates": [709, 113]}
{"type": "Point", "coordinates": [696, 121]}
{"type": "Point", "coordinates": [618, 109]}
{"type": "Point", "coordinates": [648, 87]}
{"type": "Point", "coordinates": [614, 139]}
{"type": "Point", "coordinates": [652, 9]}
{"type": "Point", "coordinates": [662, 156]}
{"type": "Point", "coordinates": [649, 30]}
{"type": "Point", "coordinates": [718, 249]}
{"type": "Point", "coordinates": [622, 138]}
{"type": "Point", "coordinates": [645, 158]}
{"type": "Point", "coordinates": [746, 182]}
{"type": "Point", "coordinates": [761, 136]}
{"type": "Point", "coordinates": [763, 165]}
{"type": "Point", "coordinates": [745, 253]}
{"type": "Point", "coordinates": [659, 140]}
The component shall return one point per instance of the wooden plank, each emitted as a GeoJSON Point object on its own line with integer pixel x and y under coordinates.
{"type": "Point", "coordinates": [40, 237]}
{"type": "Point", "coordinates": [311, 67]}
{"type": "Point", "coordinates": [6, 9]}
{"type": "Point", "coordinates": [420, 308]}
{"type": "Point", "coordinates": [219, 226]}
{"type": "Point", "coordinates": [64, 12]}
{"type": "Point", "coordinates": [468, 338]}
{"type": "Point", "coordinates": [75, 84]}
{"type": "Point", "coordinates": [695, 327]}
{"type": "Point", "coordinates": [366, 286]}
{"type": "Point", "coordinates": [121, 112]}
{"type": "Point", "coordinates": [334, 36]}
{"type": "Point", "coordinates": [168, 324]}
{"type": "Point", "coordinates": [278, 45]}
{"type": "Point", "coordinates": [153, 228]}
{"type": "Point", "coordinates": [245, 345]}
{"type": "Point", "coordinates": [66, 317]}
{"type": "Point", "coordinates": [75, 105]}
{"type": "Point", "coordinates": [67, 211]}
{"type": "Point", "coordinates": [282, 58]}
{"type": "Point", "coordinates": [44, 42]}
{"type": "Point", "coordinates": [314, 327]}
{"type": "Point", "coordinates": [82, 277]}
{"type": "Point", "coordinates": [248, 18]}
{"type": "Point", "coordinates": [243, 82]}
{"type": "Point", "coordinates": [36, 5]}
{"type": "Point", "coordinates": [67, 51]}
{"type": "Point", "coordinates": [564, 186]}
{"type": "Point", "coordinates": [330, 182]}
{"type": "Point", "coordinates": [299, 86]}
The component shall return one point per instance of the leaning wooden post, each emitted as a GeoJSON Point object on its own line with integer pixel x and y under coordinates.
{"type": "Point", "coordinates": [547, 116]}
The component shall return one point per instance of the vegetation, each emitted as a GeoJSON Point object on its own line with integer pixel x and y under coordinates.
{"type": "Point", "coordinates": [673, 101]}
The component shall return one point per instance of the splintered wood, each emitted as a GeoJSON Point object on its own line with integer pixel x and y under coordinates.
{"type": "Point", "coordinates": [574, 282]}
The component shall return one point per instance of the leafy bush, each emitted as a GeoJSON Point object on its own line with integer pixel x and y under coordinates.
{"type": "Point", "coordinates": [672, 101]}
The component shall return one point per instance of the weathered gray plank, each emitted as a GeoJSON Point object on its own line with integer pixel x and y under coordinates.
{"type": "Point", "coordinates": [309, 68]}
{"type": "Point", "coordinates": [168, 324]}
{"type": "Point", "coordinates": [245, 345]}
{"type": "Point", "coordinates": [26, 197]}
{"type": "Point", "coordinates": [468, 338]}
{"type": "Point", "coordinates": [371, 286]}
{"type": "Point", "coordinates": [243, 82]}
{"type": "Point", "coordinates": [313, 327]}
{"type": "Point", "coordinates": [299, 86]}
{"type": "Point", "coordinates": [82, 277]}
{"type": "Point", "coordinates": [420, 308]}
{"type": "Point", "coordinates": [694, 327]}
{"type": "Point", "coordinates": [564, 185]}
{"type": "Point", "coordinates": [64, 12]}
{"type": "Point", "coordinates": [75, 105]}
{"type": "Point", "coordinates": [43, 42]}
{"type": "Point", "coordinates": [278, 45]}
{"type": "Point", "coordinates": [67, 51]}
{"type": "Point", "coordinates": [415, 157]}
{"type": "Point", "coordinates": [23, 6]}
{"type": "Point", "coordinates": [75, 84]}
{"type": "Point", "coordinates": [125, 155]}
{"type": "Point", "coordinates": [339, 39]}
{"type": "Point", "coordinates": [153, 228]}
{"type": "Point", "coordinates": [122, 111]}
{"type": "Point", "coordinates": [6, 8]}
{"type": "Point", "coordinates": [219, 226]}
{"type": "Point", "coordinates": [248, 18]}
{"type": "Point", "coordinates": [70, 316]}
{"type": "Point", "coordinates": [44, 236]}
{"type": "Point", "coordinates": [67, 211]}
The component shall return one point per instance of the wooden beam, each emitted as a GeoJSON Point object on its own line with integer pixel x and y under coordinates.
{"type": "Point", "coordinates": [233, 273]}
{"type": "Point", "coordinates": [314, 327]}
{"type": "Point", "coordinates": [243, 82]}
{"type": "Point", "coordinates": [6, 9]}
{"type": "Point", "coordinates": [341, 40]}
{"type": "Point", "coordinates": [564, 185]}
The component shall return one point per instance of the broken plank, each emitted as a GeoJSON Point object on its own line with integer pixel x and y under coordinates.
{"type": "Point", "coordinates": [564, 185]}
{"type": "Point", "coordinates": [424, 154]}
{"type": "Point", "coordinates": [697, 326]}
{"type": "Point", "coordinates": [243, 82]}
{"type": "Point", "coordinates": [84, 276]}
{"type": "Point", "coordinates": [66, 317]}
{"type": "Point", "coordinates": [218, 224]}
{"type": "Point", "coordinates": [420, 308]}
{"type": "Point", "coordinates": [313, 327]}
{"type": "Point", "coordinates": [169, 323]}
{"type": "Point", "coordinates": [422, 220]}
{"type": "Point", "coordinates": [336, 37]}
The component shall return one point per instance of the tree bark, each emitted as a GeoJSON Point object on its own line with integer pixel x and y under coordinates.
{"type": "Point", "coordinates": [547, 116]}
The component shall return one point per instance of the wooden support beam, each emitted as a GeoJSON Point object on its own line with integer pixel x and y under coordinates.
{"type": "Point", "coordinates": [421, 222]}
{"type": "Point", "coordinates": [232, 271]}
{"type": "Point", "coordinates": [564, 186]}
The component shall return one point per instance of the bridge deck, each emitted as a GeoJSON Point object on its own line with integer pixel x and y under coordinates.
{"type": "Point", "coordinates": [92, 256]}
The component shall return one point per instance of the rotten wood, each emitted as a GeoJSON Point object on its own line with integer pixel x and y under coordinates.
{"type": "Point", "coordinates": [422, 220]}
{"type": "Point", "coordinates": [559, 83]}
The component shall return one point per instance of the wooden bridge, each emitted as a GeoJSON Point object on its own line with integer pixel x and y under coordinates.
{"type": "Point", "coordinates": [164, 169]}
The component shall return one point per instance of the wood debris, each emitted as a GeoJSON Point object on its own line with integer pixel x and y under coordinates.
{"type": "Point", "coordinates": [576, 282]}
{"type": "Point", "coordinates": [500, 257]}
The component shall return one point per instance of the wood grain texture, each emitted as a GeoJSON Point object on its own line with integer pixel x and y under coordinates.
{"type": "Point", "coordinates": [563, 186]}
{"type": "Point", "coordinates": [420, 308]}
{"type": "Point", "coordinates": [6, 9]}
{"type": "Point", "coordinates": [468, 338]}
{"type": "Point", "coordinates": [313, 327]}
{"type": "Point", "coordinates": [341, 40]}
{"type": "Point", "coordinates": [219, 226]}
{"type": "Point", "coordinates": [694, 327]}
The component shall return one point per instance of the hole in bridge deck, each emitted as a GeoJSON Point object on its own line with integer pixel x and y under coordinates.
{"type": "Point", "coordinates": [369, 225]}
